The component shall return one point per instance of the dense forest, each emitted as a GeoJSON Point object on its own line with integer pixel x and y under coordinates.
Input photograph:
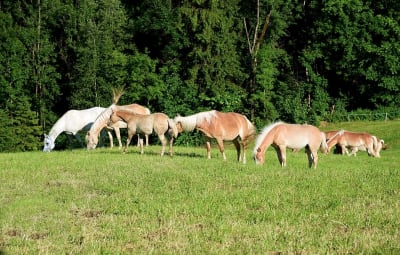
{"type": "Point", "coordinates": [297, 61]}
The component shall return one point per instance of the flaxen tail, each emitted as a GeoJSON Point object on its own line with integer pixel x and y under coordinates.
{"type": "Point", "coordinates": [375, 146]}
{"type": "Point", "coordinates": [251, 134]}
{"type": "Point", "coordinates": [172, 128]}
{"type": "Point", "coordinates": [117, 93]}
{"type": "Point", "coordinates": [324, 145]}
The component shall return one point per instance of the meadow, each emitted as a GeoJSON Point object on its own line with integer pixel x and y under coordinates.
{"type": "Point", "coordinates": [106, 202]}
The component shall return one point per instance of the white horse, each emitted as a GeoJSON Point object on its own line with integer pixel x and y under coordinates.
{"type": "Point", "coordinates": [71, 123]}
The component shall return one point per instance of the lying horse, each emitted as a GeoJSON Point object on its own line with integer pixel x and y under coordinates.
{"type": "Point", "coordinates": [71, 123]}
{"type": "Point", "coordinates": [281, 135]}
{"type": "Point", "coordinates": [222, 126]}
{"type": "Point", "coordinates": [356, 141]}
{"type": "Point", "coordinates": [158, 123]}
{"type": "Point", "coordinates": [103, 119]}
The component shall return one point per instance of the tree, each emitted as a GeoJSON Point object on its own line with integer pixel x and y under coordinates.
{"type": "Point", "coordinates": [212, 63]}
{"type": "Point", "coordinates": [100, 58]}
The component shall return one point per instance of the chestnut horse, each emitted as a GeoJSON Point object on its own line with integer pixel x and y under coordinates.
{"type": "Point", "coordinates": [281, 135]}
{"type": "Point", "coordinates": [356, 141]}
{"type": "Point", "coordinates": [229, 126]}
{"type": "Point", "coordinates": [158, 123]}
{"type": "Point", "coordinates": [103, 119]}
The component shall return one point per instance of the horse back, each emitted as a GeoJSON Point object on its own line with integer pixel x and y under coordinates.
{"type": "Point", "coordinates": [225, 125]}
{"type": "Point", "coordinates": [75, 120]}
{"type": "Point", "coordinates": [356, 139]}
{"type": "Point", "coordinates": [298, 136]}
{"type": "Point", "coordinates": [137, 108]}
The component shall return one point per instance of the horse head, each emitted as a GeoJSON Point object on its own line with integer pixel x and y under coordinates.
{"type": "Point", "coordinates": [178, 123]}
{"type": "Point", "coordinates": [91, 141]}
{"type": "Point", "coordinates": [259, 157]}
{"type": "Point", "coordinates": [48, 143]}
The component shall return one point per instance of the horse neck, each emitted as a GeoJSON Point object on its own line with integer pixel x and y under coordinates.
{"type": "Point", "coordinates": [334, 139]}
{"type": "Point", "coordinates": [123, 115]}
{"type": "Point", "coordinates": [57, 129]}
{"type": "Point", "coordinates": [266, 138]}
{"type": "Point", "coordinates": [188, 123]}
{"type": "Point", "coordinates": [266, 141]}
{"type": "Point", "coordinates": [101, 121]}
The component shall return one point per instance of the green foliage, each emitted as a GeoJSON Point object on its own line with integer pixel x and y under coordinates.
{"type": "Point", "coordinates": [317, 61]}
{"type": "Point", "coordinates": [23, 127]}
{"type": "Point", "coordinates": [6, 135]}
{"type": "Point", "coordinates": [144, 84]}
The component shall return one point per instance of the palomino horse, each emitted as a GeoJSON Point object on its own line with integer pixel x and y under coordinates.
{"type": "Point", "coordinates": [222, 126]}
{"type": "Point", "coordinates": [158, 123]}
{"type": "Point", "coordinates": [103, 120]}
{"type": "Point", "coordinates": [71, 123]}
{"type": "Point", "coordinates": [356, 141]}
{"type": "Point", "coordinates": [281, 135]}
{"type": "Point", "coordinates": [380, 144]}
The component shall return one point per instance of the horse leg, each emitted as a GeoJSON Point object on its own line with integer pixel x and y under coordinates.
{"type": "Point", "coordinates": [221, 147]}
{"type": "Point", "coordinates": [283, 155]}
{"type": "Point", "coordinates": [78, 137]}
{"type": "Point", "coordinates": [128, 140]}
{"type": "Point", "coordinates": [171, 141]}
{"type": "Point", "coordinates": [208, 147]}
{"type": "Point", "coordinates": [344, 149]}
{"type": "Point", "coordinates": [118, 135]}
{"type": "Point", "coordinates": [140, 141]}
{"type": "Point", "coordinates": [163, 143]}
{"type": "Point", "coordinates": [354, 151]}
{"type": "Point", "coordinates": [279, 154]}
{"type": "Point", "coordinates": [147, 140]}
{"type": "Point", "coordinates": [370, 151]}
{"type": "Point", "coordinates": [237, 146]}
{"type": "Point", "coordinates": [110, 137]}
{"type": "Point", "coordinates": [312, 156]}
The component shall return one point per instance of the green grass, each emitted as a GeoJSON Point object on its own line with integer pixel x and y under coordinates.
{"type": "Point", "coordinates": [105, 202]}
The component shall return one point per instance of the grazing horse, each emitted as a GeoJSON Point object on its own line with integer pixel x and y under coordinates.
{"type": "Point", "coordinates": [71, 123]}
{"type": "Point", "coordinates": [102, 121]}
{"type": "Point", "coordinates": [281, 135]}
{"type": "Point", "coordinates": [356, 141]}
{"type": "Point", "coordinates": [229, 126]}
{"type": "Point", "coordinates": [158, 123]}
{"type": "Point", "coordinates": [380, 144]}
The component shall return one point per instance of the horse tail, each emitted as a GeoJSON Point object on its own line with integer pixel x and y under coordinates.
{"type": "Point", "coordinates": [324, 145]}
{"type": "Point", "coordinates": [172, 125]}
{"type": "Point", "coordinates": [375, 145]}
{"type": "Point", "coordinates": [251, 131]}
{"type": "Point", "coordinates": [333, 140]}
{"type": "Point", "coordinates": [340, 132]}
{"type": "Point", "coordinates": [117, 93]}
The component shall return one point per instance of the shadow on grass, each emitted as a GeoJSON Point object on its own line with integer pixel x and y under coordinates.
{"type": "Point", "coordinates": [147, 151]}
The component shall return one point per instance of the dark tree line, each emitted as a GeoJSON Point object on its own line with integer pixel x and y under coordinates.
{"type": "Point", "coordinates": [298, 61]}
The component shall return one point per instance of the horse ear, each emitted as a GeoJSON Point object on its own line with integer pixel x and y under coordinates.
{"type": "Point", "coordinates": [88, 133]}
{"type": "Point", "coordinates": [258, 150]}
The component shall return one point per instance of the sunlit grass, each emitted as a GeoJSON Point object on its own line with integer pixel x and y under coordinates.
{"type": "Point", "coordinates": [106, 202]}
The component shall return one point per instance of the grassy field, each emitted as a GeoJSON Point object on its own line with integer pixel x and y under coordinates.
{"type": "Point", "coordinates": [104, 202]}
